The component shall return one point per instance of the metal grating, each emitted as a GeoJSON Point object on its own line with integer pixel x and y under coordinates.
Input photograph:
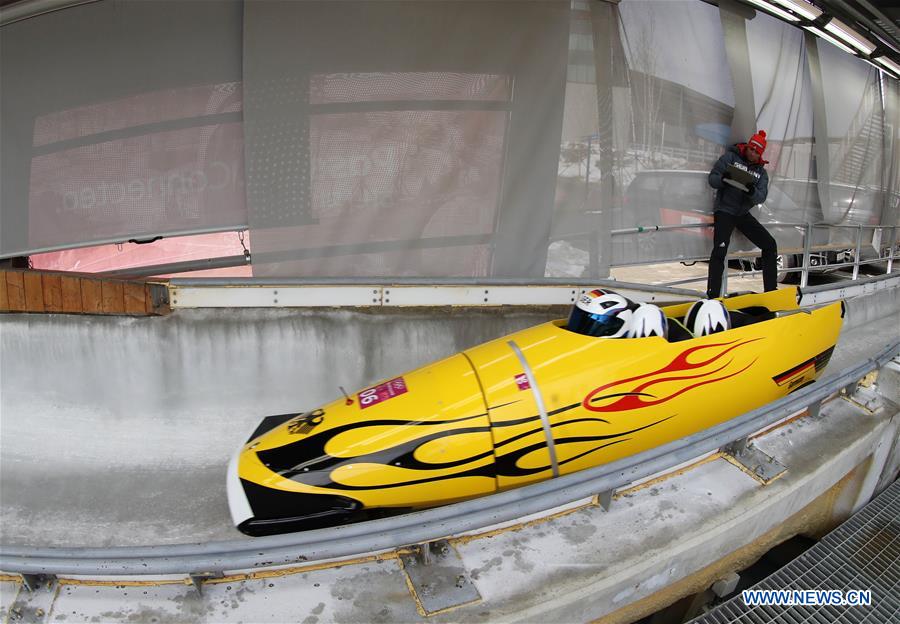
{"type": "Point", "coordinates": [862, 553]}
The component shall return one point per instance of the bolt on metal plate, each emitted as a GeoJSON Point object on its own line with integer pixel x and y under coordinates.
{"type": "Point", "coordinates": [34, 601]}
{"type": "Point", "coordinates": [762, 467]}
{"type": "Point", "coordinates": [443, 582]}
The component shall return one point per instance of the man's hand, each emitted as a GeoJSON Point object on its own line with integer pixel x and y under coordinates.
{"type": "Point", "coordinates": [751, 188]}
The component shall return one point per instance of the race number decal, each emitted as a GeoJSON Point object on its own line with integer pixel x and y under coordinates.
{"type": "Point", "coordinates": [381, 392]}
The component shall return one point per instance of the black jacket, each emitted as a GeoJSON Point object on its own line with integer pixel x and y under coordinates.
{"type": "Point", "coordinates": [732, 200]}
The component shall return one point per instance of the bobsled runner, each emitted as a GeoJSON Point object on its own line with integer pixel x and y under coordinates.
{"type": "Point", "coordinates": [615, 379]}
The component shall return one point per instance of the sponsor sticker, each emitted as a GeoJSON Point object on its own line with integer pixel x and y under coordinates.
{"type": "Point", "coordinates": [522, 381]}
{"type": "Point", "coordinates": [381, 392]}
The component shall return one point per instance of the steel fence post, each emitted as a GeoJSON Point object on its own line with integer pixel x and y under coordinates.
{"type": "Point", "coordinates": [807, 246]}
{"type": "Point", "coordinates": [890, 262]}
{"type": "Point", "coordinates": [858, 251]}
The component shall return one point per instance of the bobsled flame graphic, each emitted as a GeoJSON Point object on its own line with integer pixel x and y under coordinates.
{"type": "Point", "coordinates": [637, 396]}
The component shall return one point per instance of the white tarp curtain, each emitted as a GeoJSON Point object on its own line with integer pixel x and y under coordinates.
{"type": "Point", "coordinates": [120, 120]}
{"type": "Point", "coordinates": [783, 107]}
{"type": "Point", "coordinates": [855, 120]}
{"type": "Point", "coordinates": [402, 138]}
{"type": "Point", "coordinates": [679, 102]}
{"type": "Point", "coordinates": [425, 139]}
{"type": "Point", "coordinates": [891, 214]}
{"type": "Point", "coordinates": [668, 184]}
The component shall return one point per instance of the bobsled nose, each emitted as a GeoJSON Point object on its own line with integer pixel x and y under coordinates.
{"type": "Point", "coordinates": [238, 504]}
{"type": "Point", "coordinates": [257, 510]}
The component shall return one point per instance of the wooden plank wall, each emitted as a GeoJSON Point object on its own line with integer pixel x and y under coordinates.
{"type": "Point", "coordinates": [27, 290]}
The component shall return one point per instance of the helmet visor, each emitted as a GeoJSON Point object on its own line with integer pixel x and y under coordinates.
{"type": "Point", "coordinates": [588, 324]}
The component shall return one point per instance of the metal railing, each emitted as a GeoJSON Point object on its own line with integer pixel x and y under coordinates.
{"type": "Point", "coordinates": [590, 237]}
{"type": "Point", "coordinates": [809, 250]}
{"type": "Point", "coordinates": [424, 526]}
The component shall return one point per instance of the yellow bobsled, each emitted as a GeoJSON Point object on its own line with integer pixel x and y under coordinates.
{"type": "Point", "coordinates": [538, 403]}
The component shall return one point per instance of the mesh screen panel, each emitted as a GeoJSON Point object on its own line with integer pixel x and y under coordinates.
{"type": "Point", "coordinates": [783, 107]}
{"type": "Point", "coordinates": [417, 86]}
{"type": "Point", "coordinates": [166, 181]}
{"type": "Point", "coordinates": [120, 120]}
{"type": "Point", "coordinates": [891, 214]}
{"type": "Point", "coordinates": [382, 181]}
{"type": "Point", "coordinates": [855, 116]}
{"type": "Point", "coordinates": [427, 139]}
{"type": "Point", "coordinates": [680, 102]}
{"type": "Point", "coordinates": [423, 145]}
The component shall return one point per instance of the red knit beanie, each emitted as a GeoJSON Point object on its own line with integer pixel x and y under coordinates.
{"type": "Point", "coordinates": [758, 141]}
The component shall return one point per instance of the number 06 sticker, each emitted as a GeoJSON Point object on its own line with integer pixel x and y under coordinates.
{"type": "Point", "coordinates": [381, 392]}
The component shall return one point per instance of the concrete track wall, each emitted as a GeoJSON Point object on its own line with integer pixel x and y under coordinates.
{"type": "Point", "coordinates": [118, 430]}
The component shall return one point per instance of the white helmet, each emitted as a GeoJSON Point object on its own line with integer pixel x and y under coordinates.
{"type": "Point", "coordinates": [647, 320]}
{"type": "Point", "coordinates": [600, 313]}
{"type": "Point", "coordinates": [707, 317]}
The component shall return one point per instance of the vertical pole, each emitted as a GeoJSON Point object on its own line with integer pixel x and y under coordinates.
{"type": "Point", "coordinates": [734, 16]}
{"type": "Point", "coordinates": [605, 33]}
{"type": "Point", "coordinates": [820, 128]}
{"type": "Point", "coordinates": [807, 246]}
{"type": "Point", "coordinates": [858, 251]}
{"type": "Point", "coordinates": [587, 173]}
{"type": "Point", "coordinates": [531, 163]}
{"type": "Point", "coordinates": [891, 248]}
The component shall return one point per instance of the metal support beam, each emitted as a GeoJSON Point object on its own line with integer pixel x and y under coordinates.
{"type": "Point", "coordinates": [890, 262]}
{"type": "Point", "coordinates": [33, 605]}
{"type": "Point", "coordinates": [807, 248]}
{"type": "Point", "coordinates": [737, 447]}
{"type": "Point", "coordinates": [606, 43]}
{"type": "Point", "coordinates": [197, 579]}
{"type": "Point", "coordinates": [423, 553]}
{"type": "Point", "coordinates": [34, 582]}
{"type": "Point", "coordinates": [814, 409]}
{"type": "Point", "coordinates": [605, 499]}
{"type": "Point", "coordinates": [734, 18]}
{"type": "Point", "coordinates": [179, 267]}
{"type": "Point", "coordinates": [820, 124]}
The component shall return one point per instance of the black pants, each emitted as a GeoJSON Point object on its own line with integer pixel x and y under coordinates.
{"type": "Point", "coordinates": [751, 228]}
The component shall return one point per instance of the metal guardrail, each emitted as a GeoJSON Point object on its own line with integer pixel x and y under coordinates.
{"type": "Point", "coordinates": [375, 293]}
{"type": "Point", "coordinates": [423, 281]}
{"type": "Point", "coordinates": [189, 266]}
{"type": "Point", "coordinates": [826, 293]}
{"type": "Point", "coordinates": [809, 249]}
{"type": "Point", "coordinates": [424, 526]}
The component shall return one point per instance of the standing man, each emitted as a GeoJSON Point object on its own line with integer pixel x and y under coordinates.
{"type": "Point", "coordinates": [741, 183]}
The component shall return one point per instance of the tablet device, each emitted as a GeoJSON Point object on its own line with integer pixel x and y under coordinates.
{"type": "Point", "coordinates": [735, 184]}
{"type": "Point", "coordinates": [740, 175]}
